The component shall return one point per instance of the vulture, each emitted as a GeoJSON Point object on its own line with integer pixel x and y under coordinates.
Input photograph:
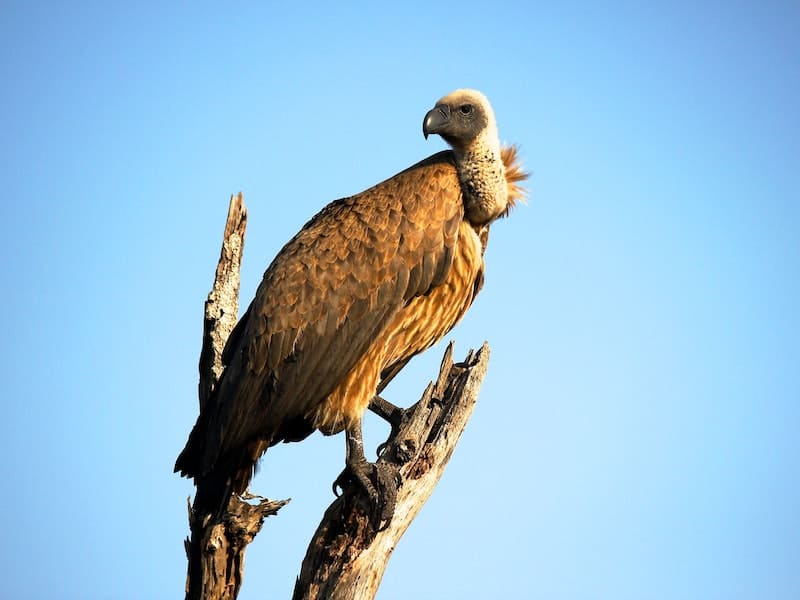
{"type": "Point", "coordinates": [370, 281]}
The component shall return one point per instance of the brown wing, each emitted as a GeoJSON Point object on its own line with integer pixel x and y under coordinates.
{"type": "Point", "coordinates": [327, 296]}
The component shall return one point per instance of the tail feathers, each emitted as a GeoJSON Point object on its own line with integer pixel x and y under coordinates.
{"type": "Point", "coordinates": [213, 480]}
{"type": "Point", "coordinates": [216, 479]}
{"type": "Point", "coordinates": [215, 488]}
{"type": "Point", "coordinates": [213, 494]}
{"type": "Point", "coordinates": [191, 461]}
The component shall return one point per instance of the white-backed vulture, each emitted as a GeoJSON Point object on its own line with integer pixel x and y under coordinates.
{"type": "Point", "coordinates": [367, 283]}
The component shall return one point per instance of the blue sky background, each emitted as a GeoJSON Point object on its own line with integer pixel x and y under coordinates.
{"type": "Point", "coordinates": [638, 434]}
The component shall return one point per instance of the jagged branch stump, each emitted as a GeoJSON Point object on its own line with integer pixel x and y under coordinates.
{"type": "Point", "coordinates": [347, 556]}
{"type": "Point", "coordinates": [216, 547]}
{"type": "Point", "coordinates": [222, 305]}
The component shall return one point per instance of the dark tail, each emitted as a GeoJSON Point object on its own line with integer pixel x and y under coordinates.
{"type": "Point", "coordinates": [213, 494]}
{"type": "Point", "coordinates": [190, 462]}
{"type": "Point", "coordinates": [217, 477]}
{"type": "Point", "coordinates": [214, 482]}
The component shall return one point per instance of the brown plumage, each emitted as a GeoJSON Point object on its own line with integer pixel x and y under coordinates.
{"type": "Point", "coordinates": [369, 282]}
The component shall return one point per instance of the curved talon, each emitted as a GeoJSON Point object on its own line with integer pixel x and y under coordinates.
{"type": "Point", "coordinates": [359, 473]}
{"type": "Point", "coordinates": [382, 446]}
{"type": "Point", "coordinates": [338, 484]}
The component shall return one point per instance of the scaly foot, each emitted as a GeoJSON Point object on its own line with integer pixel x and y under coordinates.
{"type": "Point", "coordinates": [379, 481]}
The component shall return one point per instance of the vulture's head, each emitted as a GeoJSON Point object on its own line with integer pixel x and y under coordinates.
{"type": "Point", "coordinates": [463, 118]}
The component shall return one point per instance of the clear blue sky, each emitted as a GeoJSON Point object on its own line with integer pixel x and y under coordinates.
{"type": "Point", "coordinates": [638, 434]}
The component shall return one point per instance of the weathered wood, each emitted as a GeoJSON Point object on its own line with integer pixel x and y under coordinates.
{"type": "Point", "coordinates": [222, 305]}
{"type": "Point", "coordinates": [347, 556]}
{"type": "Point", "coordinates": [216, 547]}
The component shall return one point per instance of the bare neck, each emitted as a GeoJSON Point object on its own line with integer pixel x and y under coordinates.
{"type": "Point", "coordinates": [482, 177]}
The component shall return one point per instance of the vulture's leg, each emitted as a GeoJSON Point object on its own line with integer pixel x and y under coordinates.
{"type": "Point", "coordinates": [378, 480]}
{"type": "Point", "coordinates": [357, 467]}
{"type": "Point", "coordinates": [386, 410]}
{"type": "Point", "coordinates": [395, 415]}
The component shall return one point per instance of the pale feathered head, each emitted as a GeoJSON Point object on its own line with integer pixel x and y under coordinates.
{"type": "Point", "coordinates": [462, 118]}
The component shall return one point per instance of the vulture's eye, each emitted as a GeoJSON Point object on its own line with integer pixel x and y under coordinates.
{"type": "Point", "coordinates": [465, 109]}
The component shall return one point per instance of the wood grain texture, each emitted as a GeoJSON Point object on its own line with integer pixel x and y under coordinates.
{"type": "Point", "coordinates": [222, 305]}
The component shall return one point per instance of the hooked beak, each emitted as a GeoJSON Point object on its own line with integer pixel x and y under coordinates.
{"type": "Point", "coordinates": [436, 120]}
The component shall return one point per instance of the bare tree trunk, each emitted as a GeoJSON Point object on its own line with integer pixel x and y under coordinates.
{"type": "Point", "coordinates": [216, 547]}
{"type": "Point", "coordinates": [347, 555]}
{"type": "Point", "coordinates": [222, 305]}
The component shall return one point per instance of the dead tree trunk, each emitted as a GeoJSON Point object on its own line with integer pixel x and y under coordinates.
{"type": "Point", "coordinates": [347, 556]}
{"type": "Point", "coordinates": [216, 547]}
